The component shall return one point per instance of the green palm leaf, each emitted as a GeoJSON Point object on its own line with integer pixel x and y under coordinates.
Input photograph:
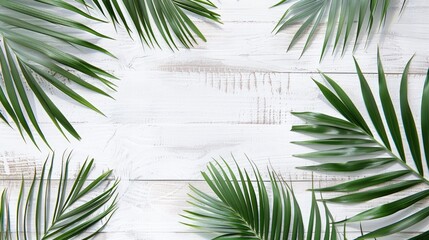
{"type": "Point", "coordinates": [154, 19]}
{"type": "Point", "coordinates": [242, 209]}
{"type": "Point", "coordinates": [74, 209]}
{"type": "Point", "coordinates": [344, 19]}
{"type": "Point", "coordinates": [368, 152]}
{"type": "Point", "coordinates": [31, 53]}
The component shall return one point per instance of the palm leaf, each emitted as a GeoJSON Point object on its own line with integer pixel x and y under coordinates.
{"type": "Point", "coordinates": [31, 55]}
{"type": "Point", "coordinates": [155, 19]}
{"type": "Point", "coordinates": [344, 19]}
{"type": "Point", "coordinates": [366, 151]}
{"type": "Point", "coordinates": [86, 204]}
{"type": "Point", "coordinates": [242, 209]}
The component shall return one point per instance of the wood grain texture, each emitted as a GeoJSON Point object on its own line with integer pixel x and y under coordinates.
{"type": "Point", "coordinates": [175, 111]}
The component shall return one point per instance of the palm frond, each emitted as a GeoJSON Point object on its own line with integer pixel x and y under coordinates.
{"type": "Point", "coordinates": [85, 205]}
{"type": "Point", "coordinates": [340, 16]}
{"type": "Point", "coordinates": [350, 137]}
{"type": "Point", "coordinates": [155, 19]}
{"type": "Point", "coordinates": [30, 57]}
{"type": "Point", "coordinates": [242, 209]}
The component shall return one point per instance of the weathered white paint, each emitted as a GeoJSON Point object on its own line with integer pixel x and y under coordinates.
{"type": "Point", "coordinates": [174, 111]}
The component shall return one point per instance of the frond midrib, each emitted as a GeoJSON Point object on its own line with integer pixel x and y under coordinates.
{"type": "Point", "coordinates": [248, 225]}
{"type": "Point", "coordinates": [398, 160]}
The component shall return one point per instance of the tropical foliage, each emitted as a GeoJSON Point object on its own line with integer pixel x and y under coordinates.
{"type": "Point", "coordinates": [341, 16]}
{"type": "Point", "coordinates": [74, 209]}
{"type": "Point", "coordinates": [34, 55]}
{"type": "Point", "coordinates": [366, 149]}
{"type": "Point", "coordinates": [242, 209]}
{"type": "Point", "coordinates": [167, 17]}
{"type": "Point", "coordinates": [31, 56]}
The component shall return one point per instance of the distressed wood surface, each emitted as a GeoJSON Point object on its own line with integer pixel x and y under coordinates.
{"type": "Point", "coordinates": [233, 95]}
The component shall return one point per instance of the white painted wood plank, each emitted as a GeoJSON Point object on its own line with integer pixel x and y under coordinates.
{"type": "Point", "coordinates": [219, 96]}
{"type": "Point", "coordinates": [234, 45]}
{"type": "Point", "coordinates": [170, 152]}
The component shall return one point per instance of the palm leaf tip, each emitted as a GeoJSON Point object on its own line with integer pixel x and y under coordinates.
{"type": "Point", "coordinates": [71, 213]}
{"type": "Point", "coordinates": [356, 152]}
{"type": "Point", "coordinates": [343, 20]}
{"type": "Point", "coordinates": [154, 20]}
{"type": "Point", "coordinates": [242, 208]}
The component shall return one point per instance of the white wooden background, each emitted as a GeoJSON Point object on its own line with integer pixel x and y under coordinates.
{"type": "Point", "coordinates": [175, 111]}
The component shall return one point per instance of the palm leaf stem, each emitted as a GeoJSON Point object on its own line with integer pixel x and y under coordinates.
{"type": "Point", "coordinates": [399, 160]}
{"type": "Point", "coordinates": [249, 226]}
{"type": "Point", "coordinates": [394, 156]}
